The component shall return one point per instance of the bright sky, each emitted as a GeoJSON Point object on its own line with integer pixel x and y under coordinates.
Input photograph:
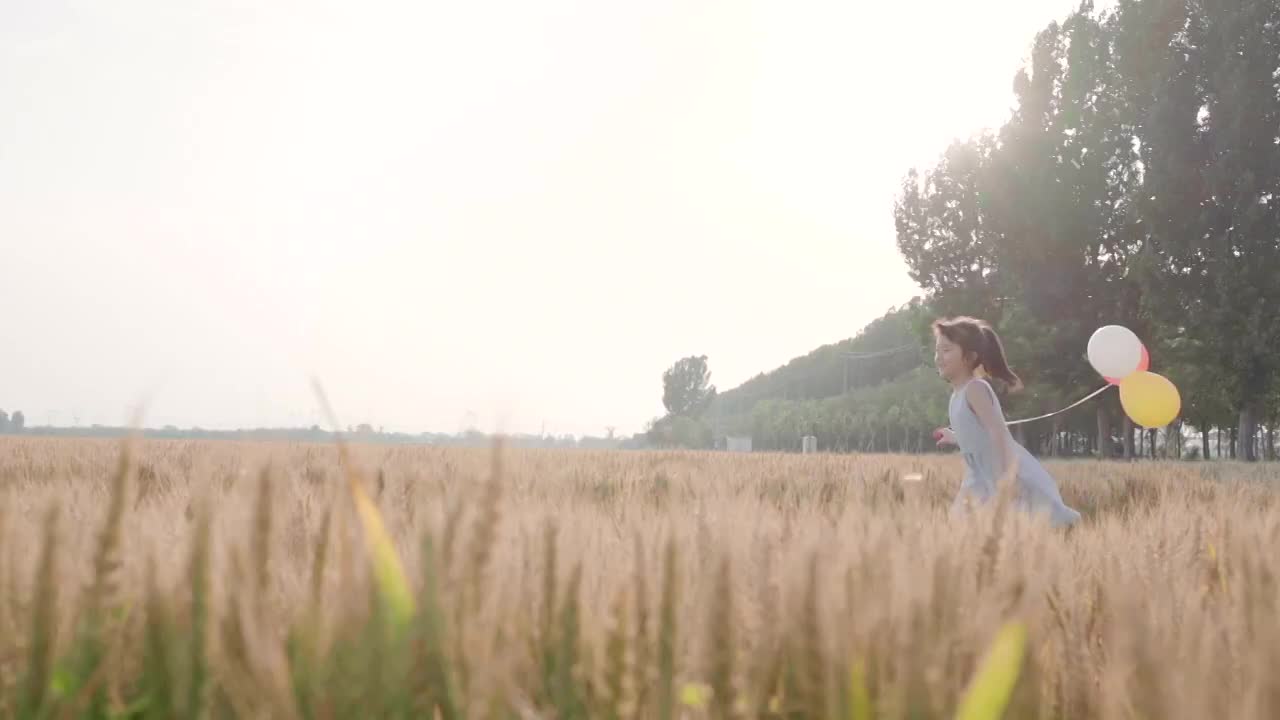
{"type": "Point", "coordinates": [499, 214]}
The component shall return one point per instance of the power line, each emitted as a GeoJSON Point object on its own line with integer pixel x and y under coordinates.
{"type": "Point", "coordinates": [870, 356]}
{"type": "Point", "coordinates": [878, 353]}
{"type": "Point", "coordinates": [742, 397]}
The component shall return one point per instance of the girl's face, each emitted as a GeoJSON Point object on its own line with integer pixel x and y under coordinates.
{"type": "Point", "coordinates": [950, 359]}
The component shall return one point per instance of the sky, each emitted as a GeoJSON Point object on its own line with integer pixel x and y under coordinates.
{"type": "Point", "coordinates": [511, 216]}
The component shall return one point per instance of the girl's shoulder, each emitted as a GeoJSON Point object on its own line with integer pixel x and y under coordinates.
{"type": "Point", "coordinates": [985, 384]}
{"type": "Point", "coordinates": [981, 390]}
{"type": "Point", "coordinates": [975, 385]}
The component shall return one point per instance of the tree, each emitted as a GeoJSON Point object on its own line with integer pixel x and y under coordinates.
{"type": "Point", "coordinates": [944, 232]}
{"type": "Point", "coordinates": [1029, 228]}
{"type": "Point", "coordinates": [1029, 222]}
{"type": "Point", "coordinates": [4, 421]}
{"type": "Point", "coordinates": [680, 431]}
{"type": "Point", "coordinates": [1212, 187]}
{"type": "Point", "coordinates": [1062, 180]}
{"type": "Point", "coordinates": [687, 388]}
{"type": "Point", "coordinates": [17, 422]}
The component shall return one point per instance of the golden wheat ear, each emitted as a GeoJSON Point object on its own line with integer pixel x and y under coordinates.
{"type": "Point", "coordinates": [392, 585]}
{"type": "Point", "coordinates": [992, 686]}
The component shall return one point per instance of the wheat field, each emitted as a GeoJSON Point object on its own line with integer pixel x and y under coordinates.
{"type": "Point", "coordinates": [216, 579]}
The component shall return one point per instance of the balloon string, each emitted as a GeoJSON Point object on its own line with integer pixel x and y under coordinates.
{"type": "Point", "coordinates": [1072, 406]}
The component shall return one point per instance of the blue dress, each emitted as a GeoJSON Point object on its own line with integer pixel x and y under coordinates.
{"type": "Point", "coordinates": [1036, 489]}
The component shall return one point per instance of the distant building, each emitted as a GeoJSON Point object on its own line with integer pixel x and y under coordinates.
{"type": "Point", "coordinates": [738, 443]}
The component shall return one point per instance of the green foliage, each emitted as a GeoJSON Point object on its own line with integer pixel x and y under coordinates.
{"type": "Point", "coordinates": [679, 431]}
{"type": "Point", "coordinates": [822, 373]}
{"type": "Point", "coordinates": [897, 415]}
{"type": "Point", "coordinates": [12, 423]}
{"type": "Point", "coordinates": [945, 234]}
{"type": "Point", "coordinates": [848, 394]}
{"type": "Point", "coordinates": [687, 388]}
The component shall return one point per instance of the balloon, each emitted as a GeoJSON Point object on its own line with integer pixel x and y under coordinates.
{"type": "Point", "coordinates": [1115, 352]}
{"type": "Point", "coordinates": [1150, 399]}
{"type": "Point", "coordinates": [1143, 365]}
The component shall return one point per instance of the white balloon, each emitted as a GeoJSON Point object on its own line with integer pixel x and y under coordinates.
{"type": "Point", "coordinates": [1114, 351]}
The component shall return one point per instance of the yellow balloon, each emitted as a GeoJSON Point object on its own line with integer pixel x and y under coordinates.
{"type": "Point", "coordinates": [1150, 399]}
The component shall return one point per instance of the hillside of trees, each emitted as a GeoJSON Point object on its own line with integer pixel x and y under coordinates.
{"type": "Point", "coordinates": [843, 393]}
{"type": "Point", "coordinates": [875, 391]}
{"type": "Point", "coordinates": [1137, 182]}
{"type": "Point", "coordinates": [822, 373]}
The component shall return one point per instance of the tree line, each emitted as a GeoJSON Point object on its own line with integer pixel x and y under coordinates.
{"type": "Point", "coordinates": [15, 423]}
{"type": "Point", "coordinates": [1137, 182]}
{"type": "Point", "coordinates": [363, 433]}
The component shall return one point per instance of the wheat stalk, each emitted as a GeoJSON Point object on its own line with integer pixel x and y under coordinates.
{"type": "Point", "coordinates": [615, 678]}
{"type": "Point", "coordinates": [641, 670]}
{"type": "Point", "coordinates": [1190, 580]}
{"type": "Point", "coordinates": [44, 621]}
{"type": "Point", "coordinates": [667, 636]}
{"type": "Point", "coordinates": [197, 702]}
{"type": "Point", "coordinates": [720, 644]}
{"type": "Point", "coordinates": [486, 531]}
{"type": "Point", "coordinates": [261, 543]}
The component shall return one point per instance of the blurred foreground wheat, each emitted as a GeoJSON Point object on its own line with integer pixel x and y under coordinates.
{"type": "Point", "coordinates": [238, 580]}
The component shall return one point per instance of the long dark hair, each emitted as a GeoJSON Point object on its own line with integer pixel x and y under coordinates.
{"type": "Point", "coordinates": [978, 337]}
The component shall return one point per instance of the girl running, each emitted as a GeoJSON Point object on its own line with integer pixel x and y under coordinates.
{"type": "Point", "coordinates": [963, 346]}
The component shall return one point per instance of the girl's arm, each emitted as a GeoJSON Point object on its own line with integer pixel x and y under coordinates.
{"type": "Point", "coordinates": [979, 396]}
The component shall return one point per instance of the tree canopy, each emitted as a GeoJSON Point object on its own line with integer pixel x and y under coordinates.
{"type": "Point", "coordinates": [686, 387]}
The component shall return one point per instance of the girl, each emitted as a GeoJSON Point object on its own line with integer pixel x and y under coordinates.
{"type": "Point", "coordinates": [962, 347]}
